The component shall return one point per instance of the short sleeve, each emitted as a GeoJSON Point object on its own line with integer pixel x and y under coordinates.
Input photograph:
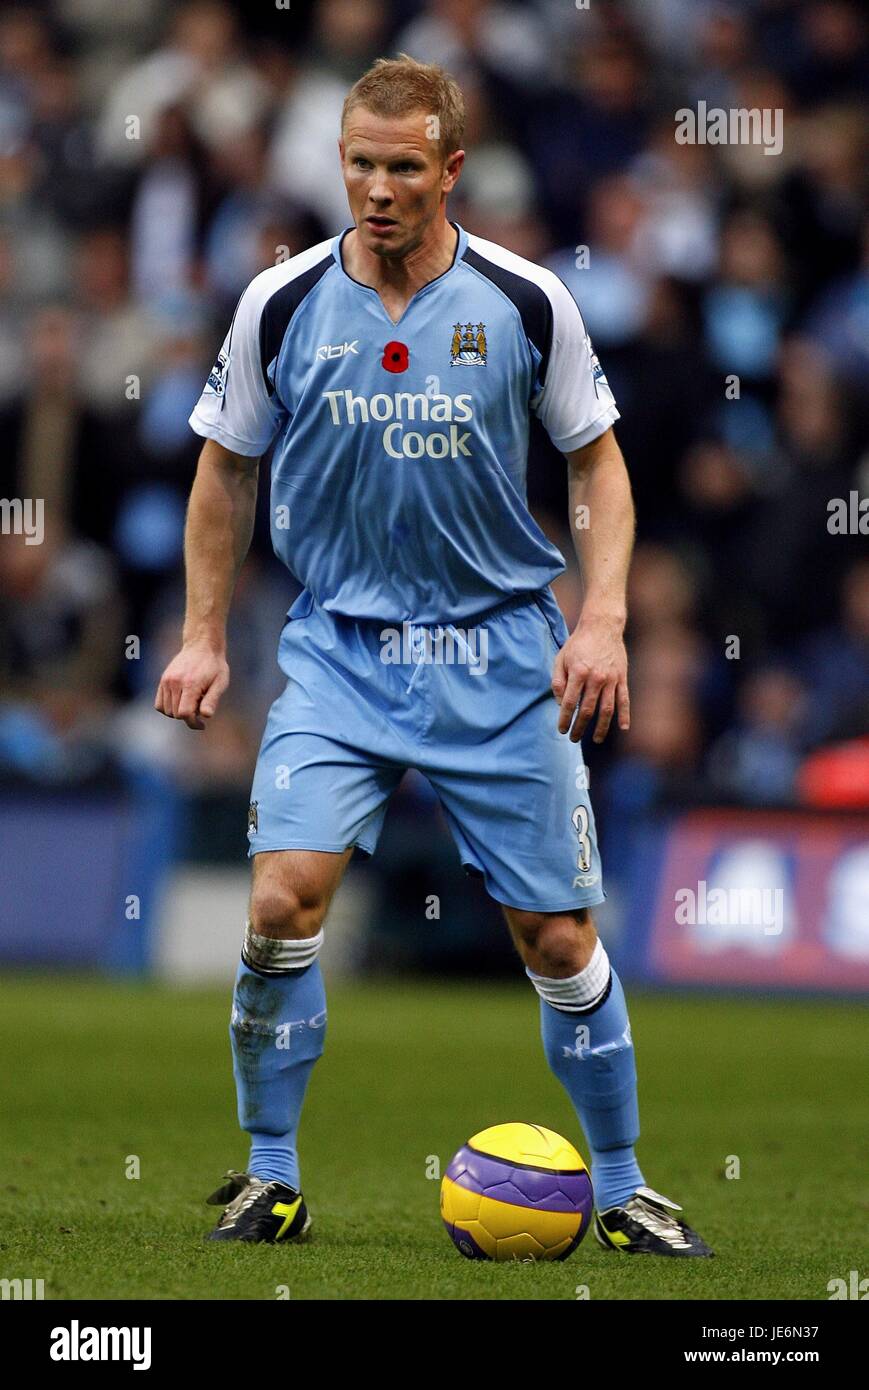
{"type": "Point", "coordinates": [237, 408]}
{"type": "Point", "coordinates": [575, 404]}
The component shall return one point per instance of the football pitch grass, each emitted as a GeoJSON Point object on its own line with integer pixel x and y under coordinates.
{"type": "Point", "coordinates": [99, 1074]}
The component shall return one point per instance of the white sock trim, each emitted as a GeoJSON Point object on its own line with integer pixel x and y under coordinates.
{"type": "Point", "coordinates": [580, 991]}
{"type": "Point", "coordinates": [274, 957]}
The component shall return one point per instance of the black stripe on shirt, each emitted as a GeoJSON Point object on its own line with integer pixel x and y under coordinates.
{"type": "Point", "coordinates": [279, 309]}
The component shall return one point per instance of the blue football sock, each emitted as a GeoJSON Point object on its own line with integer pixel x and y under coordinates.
{"type": "Point", "coordinates": [277, 1030]}
{"type": "Point", "coordinates": [593, 1057]}
{"type": "Point", "coordinates": [274, 1156]}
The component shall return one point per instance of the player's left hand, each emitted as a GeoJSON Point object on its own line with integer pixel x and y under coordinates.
{"type": "Point", "coordinates": [591, 672]}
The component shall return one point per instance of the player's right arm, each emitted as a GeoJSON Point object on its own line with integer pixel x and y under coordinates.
{"type": "Point", "coordinates": [239, 415]}
{"type": "Point", "coordinates": [220, 519]}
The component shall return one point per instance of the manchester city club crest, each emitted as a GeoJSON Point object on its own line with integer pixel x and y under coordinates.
{"type": "Point", "coordinates": [468, 348]}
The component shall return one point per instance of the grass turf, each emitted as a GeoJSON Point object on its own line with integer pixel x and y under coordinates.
{"type": "Point", "coordinates": [98, 1072]}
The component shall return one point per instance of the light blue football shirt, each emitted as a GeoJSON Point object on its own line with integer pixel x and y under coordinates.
{"type": "Point", "coordinates": [399, 466]}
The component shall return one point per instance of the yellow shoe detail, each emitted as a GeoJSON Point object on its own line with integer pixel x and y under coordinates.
{"type": "Point", "coordinates": [615, 1237]}
{"type": "Point", "coordinates": [288, 1211]}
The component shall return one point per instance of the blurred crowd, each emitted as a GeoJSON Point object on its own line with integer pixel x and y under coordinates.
{"type": "Point", "coordinates": [153, 158]}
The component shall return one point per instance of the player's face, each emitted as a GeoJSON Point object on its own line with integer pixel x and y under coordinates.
{"type": "Point", "coordinates": [395, 178]}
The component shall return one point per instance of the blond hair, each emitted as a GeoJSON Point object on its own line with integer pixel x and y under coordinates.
{"type": "Point", "coordinates": [397, 86]}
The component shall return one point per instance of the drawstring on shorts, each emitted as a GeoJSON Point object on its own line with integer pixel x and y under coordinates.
{"type": "Point", "coordinates": [418, 648]}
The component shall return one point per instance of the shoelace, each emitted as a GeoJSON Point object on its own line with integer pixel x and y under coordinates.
{"type": "Point", "coordinates": [658, 1222]}
{"type": "Point", "coordinates": [240, 1204]}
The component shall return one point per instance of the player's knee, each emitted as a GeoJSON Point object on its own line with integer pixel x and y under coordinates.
{"type": "Point", "coordinates": [287, 912]}
{"type": "Point", "coordinates": [554, 944]}
{"type": "Point", "coordinates": [560, 947]}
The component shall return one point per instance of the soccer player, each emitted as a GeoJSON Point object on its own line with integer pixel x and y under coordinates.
{"type": "Point", "coordinates": [394, 368]}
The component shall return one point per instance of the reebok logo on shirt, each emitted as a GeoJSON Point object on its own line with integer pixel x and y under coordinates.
{"type": "Point", "coordinates": [328, 350]}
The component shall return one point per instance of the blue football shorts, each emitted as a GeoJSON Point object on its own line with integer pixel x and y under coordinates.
{"type": "Point", "coordinates": [470, 707]}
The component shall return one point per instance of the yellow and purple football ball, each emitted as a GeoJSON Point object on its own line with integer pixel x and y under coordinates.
{"type": "Point", "coordinates": [516, 1192]}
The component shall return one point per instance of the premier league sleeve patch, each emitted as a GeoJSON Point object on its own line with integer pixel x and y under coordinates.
{"type": "Point", "coordinates": [598, 376]}
{"type": "Point", "coordinates": [216, 382]}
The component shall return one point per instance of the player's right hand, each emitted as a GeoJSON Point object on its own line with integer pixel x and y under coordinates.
{"type": "Point", "coordinates": [192, 684]}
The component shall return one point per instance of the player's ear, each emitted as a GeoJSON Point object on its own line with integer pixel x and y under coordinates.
{"type": "Point", "coordinates": [452, 169]}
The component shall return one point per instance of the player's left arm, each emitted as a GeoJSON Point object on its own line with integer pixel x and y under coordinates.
{"type": "Point", "coordinates": [591, 670]}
